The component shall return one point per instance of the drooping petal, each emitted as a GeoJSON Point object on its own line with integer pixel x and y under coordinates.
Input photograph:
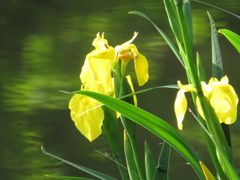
{"type": "Point", "coordinates": [141, 68]}
{"type": "Point", "coordinates": [180, 108]}
{"type": "Point", "coordinates": [87, 115]}
{"type": "Point", "coordinates": [140, 63]}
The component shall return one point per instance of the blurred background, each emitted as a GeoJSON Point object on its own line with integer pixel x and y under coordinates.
{"type": "Point", "coordinates": [43, 44]}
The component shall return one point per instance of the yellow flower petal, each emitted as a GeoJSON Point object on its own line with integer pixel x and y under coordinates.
{"type": "Point", "coordinates": [180, 107]}
{"type": "Point", "coordinates": [98, 63]}
{"type": "Point", "coordinates": [207, 173]}
{"type": "Point", "coordinates": [222, 98]}
{"type": "Point", "coordinates": [87, 115]}
{"type": "Point", "coordinates": [186, 88]}
{"type": "Point", "coordinates": [100, 43]}
{"type": "Point", "coordinates": [140, 62]}
{"type": "Point", "coordinates": [141, 68]}
{"type": "Point", "coordinates": [131, 86]}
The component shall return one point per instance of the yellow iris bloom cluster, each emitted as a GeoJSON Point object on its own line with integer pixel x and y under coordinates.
{"type": "Point", "coordinates": [96, 76]}
{"type": "Point", "coordinates": [220, 94]}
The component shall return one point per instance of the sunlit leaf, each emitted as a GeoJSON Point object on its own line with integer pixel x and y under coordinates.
{"type": "Point", "coordinates": [232, 37]}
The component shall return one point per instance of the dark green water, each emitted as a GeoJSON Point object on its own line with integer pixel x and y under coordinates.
{"type": "Point", "coordinates": [42, 48]}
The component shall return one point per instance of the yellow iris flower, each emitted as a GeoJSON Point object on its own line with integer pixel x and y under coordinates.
{"type": "Point", "coordinates": [220, 94]}
{"type": "Point", "coordinates": [96, 76]}
{"type": "Point", "coordinates": [223, 99]}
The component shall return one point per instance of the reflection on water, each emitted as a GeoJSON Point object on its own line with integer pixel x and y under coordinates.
{"type": "Point", "coordinates": [43, 45]}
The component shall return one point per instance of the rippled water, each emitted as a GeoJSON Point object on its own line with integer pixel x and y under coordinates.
{"type": "Point", "coordinates": [42, 48]}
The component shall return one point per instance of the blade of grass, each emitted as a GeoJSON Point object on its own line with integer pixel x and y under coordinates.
{"type": "Point", "coordinates": [217, 68]}
{"type": "Point", "coordinates": [201, 71]}
{"type": "Point", "coordinates": [87, 170]}
{"type": "Point", "coordinates": [232, 37]}
{"type": "Point", "coordinates": [172, 18]}
{"type": "Point", "coordinates": [131, 166]}
{"type": "Point", "coordinates": [187, 12]}
{"type": "Point", "coordinates": [163, 161]}
{"type": "Point", "coordinates": [150, 166]}
{"type": "Point", "coordinates": [112, 134]}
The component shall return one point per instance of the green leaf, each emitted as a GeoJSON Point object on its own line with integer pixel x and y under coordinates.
{"type": "Point", "coordinates": [112, 134]}
{"type": "Point", "coordinates": [163, 161]}
{"type": "Point", "coordinates": [111, 130]}
{"type": "Point", "coordinates": [150, 165]}
{"type": "Point", "coordinates": [187, 12]}
{"type": "Point", "coordinates": [173, 19]}
{"type": "Point", "coordinates": [154, 125]}
{"type": "Point", "coordinates": [165, 37]}
{"type": "Point", "coordinates": [232, 37]}
{"type": "Point", "coordinates": [87, 170]}
{"type": "Point", "coordinates": [67, 177]}
{"type": "Point", "coordinates": [217, 68]}
{"type": "Point", "coordinates": [200, 69]}
{"type": "Point", "coordinates": [131, 166]}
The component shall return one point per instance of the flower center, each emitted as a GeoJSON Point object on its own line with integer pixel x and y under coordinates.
{"type": "Point", "coordinates": [127, 55]}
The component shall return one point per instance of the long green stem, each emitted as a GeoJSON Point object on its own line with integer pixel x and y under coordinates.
{"type": "Point", "coordinates": [122, 88]}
